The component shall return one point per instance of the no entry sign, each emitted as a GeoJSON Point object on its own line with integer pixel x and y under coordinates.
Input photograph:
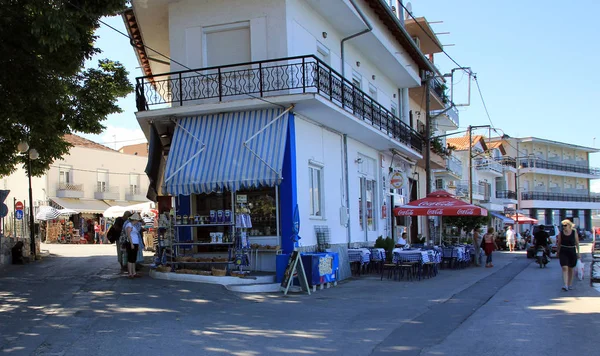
{"type": "Point", "coordinates": [19, 205]}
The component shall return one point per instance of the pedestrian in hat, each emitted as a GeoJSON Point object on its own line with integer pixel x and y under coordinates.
{"type": "Point", "coordinates": [133, 243]}
{"type": "Point", "coordinates": [120, 224]}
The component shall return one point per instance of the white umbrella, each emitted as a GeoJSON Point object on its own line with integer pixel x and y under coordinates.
{"type": "Point", "coordinates": [114, 211]}
{"type": "Point", "coordinates": [47, 213]}
{"type": "Point", "coordinates": [68, 212]}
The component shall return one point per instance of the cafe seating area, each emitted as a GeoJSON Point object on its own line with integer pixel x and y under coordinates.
{"type": "Point", "coordinates": [413, 263]}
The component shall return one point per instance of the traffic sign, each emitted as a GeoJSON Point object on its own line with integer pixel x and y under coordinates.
{"type": "Point", "coordinates": [19, 205]}
{"type": "Point", "coordinates": [19, 214]}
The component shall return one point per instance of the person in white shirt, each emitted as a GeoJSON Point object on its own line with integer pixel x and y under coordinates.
{"type": "Point", "coordinates": [132, 228]}
{"type": "Point", "coordinates": [510, 239]}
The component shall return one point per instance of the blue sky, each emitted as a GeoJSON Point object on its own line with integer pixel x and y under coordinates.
{"type": "Point", "coordinates": [534, 60]}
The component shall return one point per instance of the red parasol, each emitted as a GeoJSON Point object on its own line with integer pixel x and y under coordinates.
{"type": "Point", "coordinates": [439, 203]}
{"type": "Point", "coordinates": [522, 219]}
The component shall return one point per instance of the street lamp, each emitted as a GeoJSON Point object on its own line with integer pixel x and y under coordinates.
{"type": "Point", "coordinates": [32, 154]}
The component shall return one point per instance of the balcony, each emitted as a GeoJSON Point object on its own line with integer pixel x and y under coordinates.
{"type": "Point", "coordinates": [68, 190]}
{"type": "Point", "coordinates": [135, 194]}
{"type": "Point", "coordinates": [104, 192]}
{"type": "Point", "coordinates": [507, 162]}
{"type": "Point", "coordinates": [479, 190]}
{"type": "Point", "coordinates": [454, 166]}
{"type": "Point", "coordinates": [506, 194]}
{"type": "Point", "coordinates": [269, 79]}
{"type": "Point", "coordinates": [559, 197]}
{"type": "Point", "coordinates": [489, 165]}
{"type": "Point", "coordinates": [576, 169]}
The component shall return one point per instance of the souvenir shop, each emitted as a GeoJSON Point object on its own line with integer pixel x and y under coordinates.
{"type": "Point", "coordinates": [221, 214]}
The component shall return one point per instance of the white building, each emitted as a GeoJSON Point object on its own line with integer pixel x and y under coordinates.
{"type": "Point", "coordinates": [344, 69]}
{"type": "Point", "coordinates": [553, 180]}
{"type": "Point", "coordinates": [89, 179]}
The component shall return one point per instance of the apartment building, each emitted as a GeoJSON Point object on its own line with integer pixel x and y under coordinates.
{"type": "Point", "coordinates": [89, 179]}
{"type": "Point", "coordinates": [553, 180]}
{"type": "Point", "coordinates": [331, 78]}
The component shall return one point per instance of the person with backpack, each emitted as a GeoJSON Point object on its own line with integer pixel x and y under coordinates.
{"type": "Point", "coordinates": [116, 235]}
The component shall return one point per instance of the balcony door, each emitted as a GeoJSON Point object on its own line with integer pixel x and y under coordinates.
{"type": "Point", "coordinates": [102, 180]}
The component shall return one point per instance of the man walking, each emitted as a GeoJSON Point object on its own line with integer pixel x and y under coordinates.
{"type": "Point", "coordinates": [510, 238]}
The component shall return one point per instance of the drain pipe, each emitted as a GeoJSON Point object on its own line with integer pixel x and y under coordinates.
{"type": "Point", "coordinates": [347, 214]}
{"type": "Point", "coordinates": [369, 29]}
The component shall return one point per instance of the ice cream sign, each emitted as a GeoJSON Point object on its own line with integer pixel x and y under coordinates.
{"type": "Point", "coordinates": [397, 180]}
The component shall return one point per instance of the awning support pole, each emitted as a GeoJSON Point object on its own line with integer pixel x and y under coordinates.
{"type": "Point", "coordinates": [261, 130]}
{"type": "Point", "coordinates": [191, 158]}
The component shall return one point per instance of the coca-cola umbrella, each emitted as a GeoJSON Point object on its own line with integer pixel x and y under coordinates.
{"type": "Point", "coordinates": [439, 203]}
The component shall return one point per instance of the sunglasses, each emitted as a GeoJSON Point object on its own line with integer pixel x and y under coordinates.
{"type": "Point", "coordinates": [565, 225]}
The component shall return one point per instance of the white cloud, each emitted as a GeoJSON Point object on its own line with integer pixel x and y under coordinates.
{"type": "Point", "coordinates": [117, 137]}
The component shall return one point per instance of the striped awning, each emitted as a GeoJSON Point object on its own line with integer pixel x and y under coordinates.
{"type": "Point", "coordinates": [504, 219]}
{"type": "Point", "coordinates": [226, 151]}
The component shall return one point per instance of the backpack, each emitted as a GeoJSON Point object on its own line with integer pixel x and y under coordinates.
{"type": "Point", "coordinates": [114, 232]}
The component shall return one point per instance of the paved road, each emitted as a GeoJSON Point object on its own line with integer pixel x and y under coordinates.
{"type": "Point", "coordinates": [76, 302]}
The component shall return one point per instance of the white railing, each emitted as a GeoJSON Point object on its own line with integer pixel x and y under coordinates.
{"type": "Point", "coordinates": [454, 165]}
{"type": "Point", "coordinates": [485, 164]}
{"type": "Point", "coordinates": [71, 187]}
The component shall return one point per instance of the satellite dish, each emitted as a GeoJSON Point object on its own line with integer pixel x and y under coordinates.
{"type": "Point", "coordinates": [408, 8]}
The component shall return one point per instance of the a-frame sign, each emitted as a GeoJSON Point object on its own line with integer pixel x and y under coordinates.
{"type": "Point", "coordinates": [295, 268]}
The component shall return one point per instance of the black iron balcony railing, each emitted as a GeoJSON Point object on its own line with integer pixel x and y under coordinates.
{"type": "Point", "coordinates": [507, 161]}
{"type": "Point", "coordinates": [565, 167]}
{"type": "Point", "coordinates": [506, 194]}
{"type": "Point", "coordinates": [284, 76]}
{"type": "Point", "coordinates": [559, 197]}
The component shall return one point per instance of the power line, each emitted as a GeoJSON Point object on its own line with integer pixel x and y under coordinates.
{"type": "Point", "coordinates": [92, 171]}
{"type": "Point", "coordinates": [428, 35]}
{"type": "Point", "coordinates": [132, 41]}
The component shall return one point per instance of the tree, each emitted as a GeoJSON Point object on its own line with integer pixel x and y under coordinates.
{"type": "Point", "coordinates": [467, 223]}
{"type": "Point", "coordinates": [45, 92]}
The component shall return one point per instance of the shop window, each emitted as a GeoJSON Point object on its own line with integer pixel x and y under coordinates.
{"type": "Point", "coordinates": [315, 181]}
{"type": "Point", "coordinates": [366, 205]}
{"type": "Point", "coordinates": [264, 208]}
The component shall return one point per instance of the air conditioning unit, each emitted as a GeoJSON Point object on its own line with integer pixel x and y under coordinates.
{"type": "Point", "coordinates": [451, 184]}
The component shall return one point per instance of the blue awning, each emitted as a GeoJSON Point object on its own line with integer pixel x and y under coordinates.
{"type": "Point", "coordinates": [227, 151]}
{"type": "Point", "coordinates": [502, 217]}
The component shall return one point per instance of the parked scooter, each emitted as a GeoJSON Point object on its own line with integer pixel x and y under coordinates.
{"type": "Point", "coordinates": [541, 257]}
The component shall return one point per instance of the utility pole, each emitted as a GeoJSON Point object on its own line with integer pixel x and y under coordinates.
{"type": "Point", "coordinates": [470, 165]}
{"type": "Point", "coordinates": [428, 135]}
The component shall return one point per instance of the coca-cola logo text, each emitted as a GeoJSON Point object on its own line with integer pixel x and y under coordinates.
{"type": "Point", "coordinates": [465, 211]}
{"type": "Point", "coordinates": [405, 212]}
{"type": "Point", "coordinates": [435, 212]}
{"type": "Point", "coordinates": [437, 203]}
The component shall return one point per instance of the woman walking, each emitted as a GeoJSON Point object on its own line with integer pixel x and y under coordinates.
{"type": "Point", "coordinates": [133, 243]}
{"type": "Point", "coordinates": [567, 244]}
{"type": "Point", "coordinates": [490, 246]}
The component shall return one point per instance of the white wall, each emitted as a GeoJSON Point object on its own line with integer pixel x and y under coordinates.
{"type": "Point", "coordinates": [306, 28]}
{"type": "Point", "coordinates": [321, 147]}
{"type": "Point", "coordinates": [187, 19]}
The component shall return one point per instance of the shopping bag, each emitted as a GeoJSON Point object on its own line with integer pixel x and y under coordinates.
{"type": "Point", "coordinates": [579, 266]}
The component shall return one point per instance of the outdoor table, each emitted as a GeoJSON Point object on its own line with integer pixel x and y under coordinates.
{"type": "Point", "coordinates": [359, 256]}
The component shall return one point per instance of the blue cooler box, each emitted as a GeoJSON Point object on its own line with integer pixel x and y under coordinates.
{"type": "Point", "coordinates": [321, 267]}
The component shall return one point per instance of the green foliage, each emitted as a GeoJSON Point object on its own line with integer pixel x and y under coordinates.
{"type": "Point", "coordinates": [467, 223]}
{"type": "Point", "coordinates": [387, 244]}
{"type": "Point", "coordinates": [45, 92]}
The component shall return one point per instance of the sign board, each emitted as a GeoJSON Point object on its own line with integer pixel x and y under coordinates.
{"type": "Point", "coordinates": [241, 198]}
{"type": "Point", "coordinates": [295, 268]}
{"type": "Point", "coordinates": [19, 214]}
{"type": "Point", "coordinates": [19, 205]}
{"type": "Point", "coordinates": [397, 180]}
